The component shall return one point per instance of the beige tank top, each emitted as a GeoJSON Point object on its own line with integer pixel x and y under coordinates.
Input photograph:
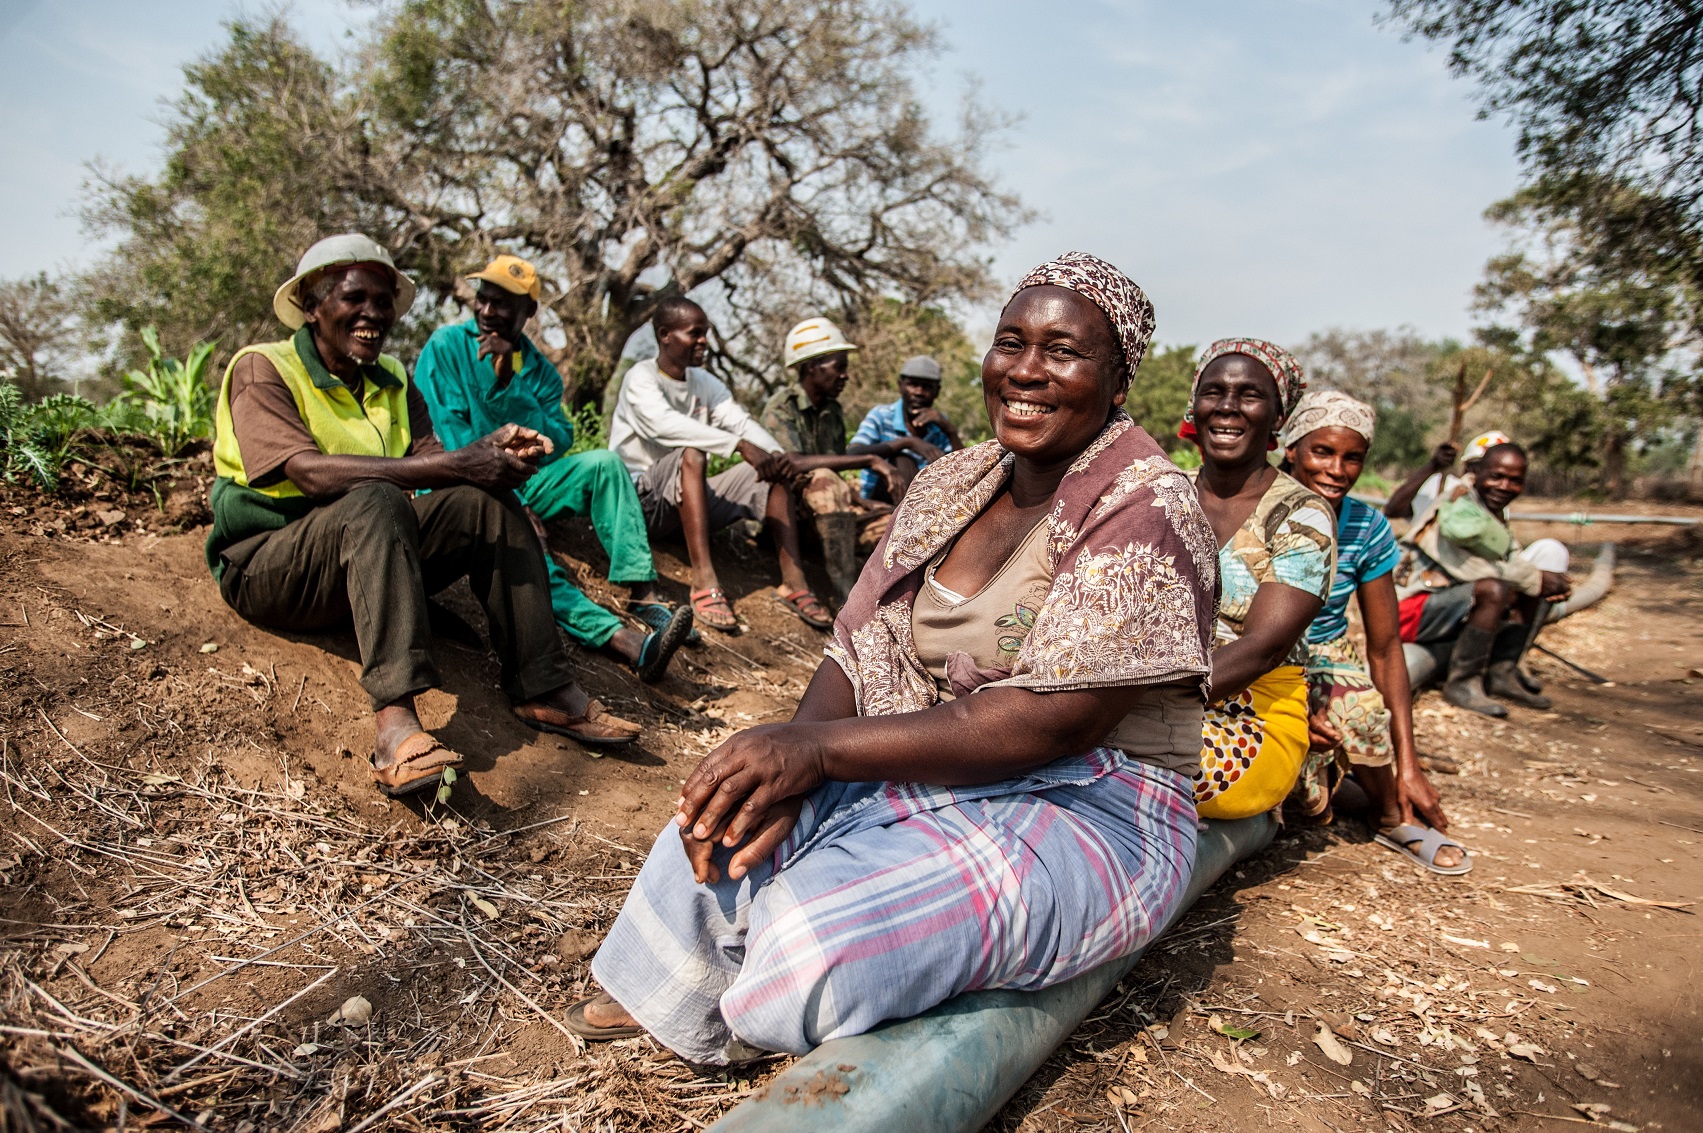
{"type": "Point", "coordinates": [1162, 728]}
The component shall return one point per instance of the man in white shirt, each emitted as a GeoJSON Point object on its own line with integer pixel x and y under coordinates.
{"type": "Point", "coordinates": [669, 416]}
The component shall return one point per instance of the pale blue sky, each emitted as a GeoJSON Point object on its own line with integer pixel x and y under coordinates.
{"type": "Point", "coordinates": [1265, 167]}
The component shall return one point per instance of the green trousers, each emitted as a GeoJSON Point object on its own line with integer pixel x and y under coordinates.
{"type": "Point", "coordinates": [596, 484]}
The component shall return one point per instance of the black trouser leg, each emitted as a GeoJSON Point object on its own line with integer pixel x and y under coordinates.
{"type": "Point", "coordinates": [464, 531]}
{"type": "Point", "coordinates": [356, 558]}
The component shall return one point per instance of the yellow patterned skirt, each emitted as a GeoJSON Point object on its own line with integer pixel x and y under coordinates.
{"type": "Point", "coordinates": [1252, 746]}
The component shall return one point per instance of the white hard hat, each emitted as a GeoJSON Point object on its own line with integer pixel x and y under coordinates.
{"type": "Point", "coordinates": [813, 338]}
{"type": "Point", "coordinates": [349, 248]}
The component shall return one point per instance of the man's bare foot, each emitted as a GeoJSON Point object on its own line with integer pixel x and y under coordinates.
{"type": "Point", "coordinates": [605, 1012]}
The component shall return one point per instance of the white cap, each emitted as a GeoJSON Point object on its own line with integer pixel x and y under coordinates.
{"type": "Point", "coordinates": [813, 338]}
{"type": "Point", "coordinates": [349, 248]}
{"type": "Point", "coordinates": [1484, 442]}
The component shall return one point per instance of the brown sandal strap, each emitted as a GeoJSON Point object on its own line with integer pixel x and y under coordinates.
{"type": "Point", "coordinates": [806, 605]}
{"type": "Point", "coordinates": [417, 757]}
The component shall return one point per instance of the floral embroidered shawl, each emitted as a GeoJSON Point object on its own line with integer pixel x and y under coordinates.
{"type": "Point", "coordinates": [1135, 573]}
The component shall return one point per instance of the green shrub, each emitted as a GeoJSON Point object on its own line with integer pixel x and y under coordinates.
{"type": "Point", "coordinates": [591, 428]}
{"type": "Point", "coordinates": [170, 402]}
{"type": "Point", "coordinates": [38, 437]}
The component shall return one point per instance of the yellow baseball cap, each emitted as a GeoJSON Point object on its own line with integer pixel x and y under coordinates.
{"type": "Point", "coordinates": [511, 273]}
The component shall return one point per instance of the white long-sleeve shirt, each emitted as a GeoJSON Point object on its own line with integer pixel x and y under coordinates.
{"type": "Point", "coordinates": [655, 413]}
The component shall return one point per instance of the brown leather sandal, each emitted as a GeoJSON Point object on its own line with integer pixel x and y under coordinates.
{"type": "Point", "coordinates": [421, 761]}
{"type": "Point", "coordinates": [597, 728]}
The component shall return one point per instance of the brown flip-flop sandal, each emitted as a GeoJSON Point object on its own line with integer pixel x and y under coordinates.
{"type": "Point", "coordinates": [597, 728]}
{"type": "Point", "coordinates": [710, 607]}
{"type": "Point", "coordinates": [421, 761]}
{"type": "Point", "coordinates": [808, 607]}
{"type": "Point", "coordinates": [577, 1023]}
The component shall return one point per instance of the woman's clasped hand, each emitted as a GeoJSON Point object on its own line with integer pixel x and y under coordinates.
{"type": "Point", "coordinates": [745, 796]}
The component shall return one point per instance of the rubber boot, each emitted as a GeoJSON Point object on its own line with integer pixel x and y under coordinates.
{"type": "Point", "coordinates": [1466, 668]}
{"type": "Point", "coordinates": [1503, 682]}
{"type": "Point", "coordinates": [1511, 644]}
{"type": "Point", "coordinates": [838, 531]}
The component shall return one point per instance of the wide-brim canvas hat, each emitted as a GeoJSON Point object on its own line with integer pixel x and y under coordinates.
{"type": "Point", "coordinates": [347, 248]}
{"type": "Point", "coordinates": [813, 338]}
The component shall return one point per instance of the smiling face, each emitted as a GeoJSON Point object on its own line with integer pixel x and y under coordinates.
{"type": "Point", "coordinates": [1501, 477]}
{"type": "Point", "coordinates": [1236, 411]}
{"type": "Point", "coordinates": [1329, 460]}
{"type": "Point", "coordinates": [501, 312]}
{"type": "Point", "coordinates": [823, 378]}
{"type": "Point", "coordinates": [1052, 376]}
{"type": "Point", "coordinates": [351, 323]}
{"type": "Point", "coordinates": [917, 394]}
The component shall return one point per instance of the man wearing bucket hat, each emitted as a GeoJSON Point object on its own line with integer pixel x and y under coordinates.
{"type": "Point", "coordinates": [909, 432]}
{"type": "Point", "coordinates": [484, 373]}
{"type": "Point", "coordinates": [670, 417]}
{"type": "Point", "coordinates": [320, 443]}
{"type": "Point", "coordinates": [805, 416]}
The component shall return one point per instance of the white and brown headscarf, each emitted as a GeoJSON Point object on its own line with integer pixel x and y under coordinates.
{"type": "Point", "coordinates": [1325, 409]}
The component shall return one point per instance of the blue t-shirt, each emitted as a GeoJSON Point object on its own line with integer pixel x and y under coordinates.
{"type": "Point", "coordinates": [1365, 549]}
{"type": "Point", "coordinates": [887, 423]}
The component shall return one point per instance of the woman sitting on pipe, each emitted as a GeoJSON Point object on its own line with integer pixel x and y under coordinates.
{"type": "Point", "coordinates": [987, 783]}
{"type": "Point", "coordinates": [1277, 548]}
{"type": "Point", "coordinates": [1362, 714]}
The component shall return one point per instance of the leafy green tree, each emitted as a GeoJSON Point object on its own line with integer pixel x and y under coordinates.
{"type": "Point", "coordinates": [1621, 323]}
{"type": "Point", "coordinates": [1602, 91]}
{"type": "Point", "coordinates": [1160, 395]}
{"type": "Point", "coordinates": [769, 156]}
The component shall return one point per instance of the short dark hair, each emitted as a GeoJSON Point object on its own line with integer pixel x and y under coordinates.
{"type": "Point", "coordinates": [1503, 449]}
{"type": "Point", "coordinates": [671, 311]}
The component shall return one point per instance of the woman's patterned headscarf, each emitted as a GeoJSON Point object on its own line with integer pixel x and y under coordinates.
{"type": "Point", "coordinates": [1126, 305]}
{"type": "Point", "coordinates": [1284, 367]}
{"type": "Point", "coordinates": [1327, 408]}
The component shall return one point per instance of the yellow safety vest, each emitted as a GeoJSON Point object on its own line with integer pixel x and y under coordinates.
{"type": "Point", "coordinates": [375, 426]}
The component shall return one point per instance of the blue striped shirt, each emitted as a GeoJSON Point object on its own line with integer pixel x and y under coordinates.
{"type": "Point", "coordinates": [1365, 549]}
{"type": "Point", "coordinates": [887, 423]}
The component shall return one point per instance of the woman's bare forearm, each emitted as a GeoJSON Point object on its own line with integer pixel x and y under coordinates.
{"type": "Point", "coordinates": [1277, 617]}
{"type": "Point", "coordinates": [982, 738]}
{"type": "Point", "coordinates": [829, 697]}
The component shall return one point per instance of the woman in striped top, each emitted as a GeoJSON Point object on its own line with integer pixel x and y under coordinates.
{"type": "Point", "coordinates": [1361, 709]}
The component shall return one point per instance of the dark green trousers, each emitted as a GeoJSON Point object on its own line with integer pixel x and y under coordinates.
{"type": "Point", "coordinates": [374, 555]}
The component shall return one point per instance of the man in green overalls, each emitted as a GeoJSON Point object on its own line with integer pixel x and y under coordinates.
{"type": "Point", "coordinates": [321, 442]}
{"type": "Point", "coordinates": [483, 373]}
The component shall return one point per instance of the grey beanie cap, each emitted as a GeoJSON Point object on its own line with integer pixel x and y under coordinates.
{"type": "Point", "coordinates": [921, 366]}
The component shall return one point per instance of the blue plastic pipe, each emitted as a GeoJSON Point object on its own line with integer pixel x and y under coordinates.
{"type": "Point", "coordinates": [951, 1068]}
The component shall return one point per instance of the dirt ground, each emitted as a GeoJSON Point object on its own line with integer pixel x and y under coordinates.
{"type": "Point", "coordinates": [197, 879]}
